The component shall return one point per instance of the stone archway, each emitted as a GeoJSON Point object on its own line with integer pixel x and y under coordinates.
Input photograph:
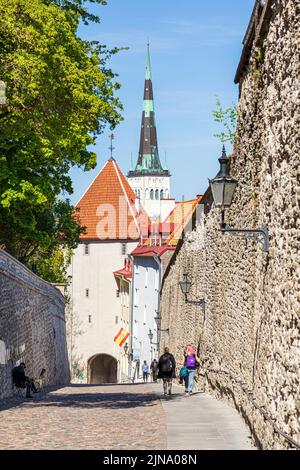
{"type": "Point", "coordinates": [102, 369]}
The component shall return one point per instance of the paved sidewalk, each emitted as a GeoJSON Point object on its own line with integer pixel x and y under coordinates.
{"type": "Point", "coordinates": [81, 417]}
{"type": "Point", "coordinates": [200, 422]}
{"type": "Point", "coordinates": [121, 416]}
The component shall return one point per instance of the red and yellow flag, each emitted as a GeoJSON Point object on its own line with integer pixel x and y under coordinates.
{"type": "Point", "coordinates": [121, 337]}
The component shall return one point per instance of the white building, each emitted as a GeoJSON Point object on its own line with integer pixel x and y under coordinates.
{"type": "Point", "coordinates": [113, 229]}
{"type": "Point", "coordinates": [150, 260]}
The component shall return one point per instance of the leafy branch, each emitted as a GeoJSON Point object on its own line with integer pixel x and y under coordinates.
{"type": "Point", "coordinates": [228, 119]}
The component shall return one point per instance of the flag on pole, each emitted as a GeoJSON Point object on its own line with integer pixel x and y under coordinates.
{"type": "Point", "coordinates": [121, 337]}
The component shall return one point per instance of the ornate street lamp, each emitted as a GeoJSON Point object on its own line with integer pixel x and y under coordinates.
{"type": "Point", "coordinates": [158, 321]}
{"type": "Point", "coordinates": [223, 187]}
{"type": "Point", "coordinates": [126, 348]}
{"type": "Point", "coordinates": [185, 286]}
{"type": "Point", "coordinates": [150, 335]}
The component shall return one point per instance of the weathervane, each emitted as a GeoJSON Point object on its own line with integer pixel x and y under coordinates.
{"type": "Point", "coordinates": [111, 148]}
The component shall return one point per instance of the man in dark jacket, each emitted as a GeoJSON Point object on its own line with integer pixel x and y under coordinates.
{"type": "Point", "coordinates": [21, 380]}
{"type": "Point", "coordinates": [167, 370]}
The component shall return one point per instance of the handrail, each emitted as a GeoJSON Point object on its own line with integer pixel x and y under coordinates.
{"type": "Point", "coordinates": [259, 408]}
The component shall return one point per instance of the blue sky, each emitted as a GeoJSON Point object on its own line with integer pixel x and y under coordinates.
{"type": "Point", "coordinates": [195, 49]}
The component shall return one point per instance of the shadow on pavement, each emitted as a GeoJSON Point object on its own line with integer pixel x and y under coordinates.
{"type": "Point", "coordinates": [92, 399]}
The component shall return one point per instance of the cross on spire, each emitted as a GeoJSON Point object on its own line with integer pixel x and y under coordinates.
{"type": "Point", "coordinates": [111, 148]}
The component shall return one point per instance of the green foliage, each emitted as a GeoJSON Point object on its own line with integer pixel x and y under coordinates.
{"type": "Point", "coordinates": [256, 74]}
{"type": "Point", "coordinates": [228, 119]}
{"type": "Point", "coordinates": [77, 7]}
{"type": "Point", "coordinates": [53, 268]}
{"type": "Point", "coordinates": [60, 96]}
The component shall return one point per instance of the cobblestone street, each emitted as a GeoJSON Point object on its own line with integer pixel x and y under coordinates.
{"type": "Point", "coordinates": [119, 417]}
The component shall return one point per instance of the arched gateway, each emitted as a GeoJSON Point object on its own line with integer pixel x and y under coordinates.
{"type": "Point", "coordinates": [102, 369]}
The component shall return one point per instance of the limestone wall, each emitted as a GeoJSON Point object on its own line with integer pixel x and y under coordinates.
{"type": "Point", "coordinates": [32, 325]}
{"type": "Point", "coordinates": [251, 332]}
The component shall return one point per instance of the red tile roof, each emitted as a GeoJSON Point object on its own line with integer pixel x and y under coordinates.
{"type": "Point", "coordinates": [166, 235]}
{"type": "Point", "coordinates": [107, 209]}
{"type": "Point", "coordinates": [179, 219]}
{"type": "Point", "coordinates": [126, 271]}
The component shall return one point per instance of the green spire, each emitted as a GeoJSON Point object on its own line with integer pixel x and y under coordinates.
{"type": "Point", "coordinates": [148, 66]}
{"type": "Point", "coordinates": [131, 163]}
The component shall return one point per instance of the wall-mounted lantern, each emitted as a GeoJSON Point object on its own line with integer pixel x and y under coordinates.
{"type": "Point", "coordinates": [223, 187]}
{"type": "Point", "coordinates": [185, 286]}
{"type": "Point", "coordinates": [158, 321]}
{"type": "Point", "coordinates": [150, 335]}
{"type": "Point", "coordinates": [126, 348]}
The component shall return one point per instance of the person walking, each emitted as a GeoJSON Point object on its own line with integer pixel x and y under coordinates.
{"type": "Point", "coordinates": [145, 369]}
{"type": "Point", "coordinates": [191, 362]}
{"type": "Point", "coordinates": [154, 370]}
{"type": "Point", "coordinates": [167, 370]}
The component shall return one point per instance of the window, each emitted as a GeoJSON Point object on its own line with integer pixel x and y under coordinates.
{"type": "Point", "coordinates": [87, 292]}
{"type": "Point", "coordinates": [156, 194]}
{"type": "Point", "coordinates": [145, 314]}
{"type": "Point", "coordinates": [90, 318]}
{"type": "Point", "coordinates": [116, 320]}
{"type": "Point", "coordinates": [151, 194]}
{"type": "Point", "coordinates": [86, 249]}
{"type": "Point", "coordinates": [117, 293]}
{"type": "Point", "coordinates": [161, 194]}
{"type": "Point", "coordinates": [124, 249]}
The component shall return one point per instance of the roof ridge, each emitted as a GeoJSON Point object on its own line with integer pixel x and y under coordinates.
{"type": "Point", "coordinates": [91, 184]}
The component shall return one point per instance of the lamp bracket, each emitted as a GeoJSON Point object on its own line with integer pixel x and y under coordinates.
{"type": "Point", "coordinates": [260, 235]}
{"type": "Point", "coordinates": [200, 302]}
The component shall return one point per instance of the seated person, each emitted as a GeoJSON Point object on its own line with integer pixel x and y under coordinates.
{"type": "Point", "coordinates": [21, 380]}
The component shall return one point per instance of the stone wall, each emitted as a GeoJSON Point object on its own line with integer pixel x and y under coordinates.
{"type": "Point", "coordinates": [249, 337]}
{"type": "Point", "coordinates": [32, 325]}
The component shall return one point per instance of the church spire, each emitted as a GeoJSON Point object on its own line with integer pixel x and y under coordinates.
{"type": "Point", "coordinates": [148, 66]}
{"type": "Point", "coordinates": [148, 158]}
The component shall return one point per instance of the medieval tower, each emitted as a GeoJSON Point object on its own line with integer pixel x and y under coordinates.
{"type": "Point", "coordinates": [149, 179]}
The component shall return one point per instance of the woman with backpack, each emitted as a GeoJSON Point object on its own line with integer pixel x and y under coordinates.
{"type": "Point", "coordinates": [191, 363]}
{"type": "Point", "coordinates": [167, 370]}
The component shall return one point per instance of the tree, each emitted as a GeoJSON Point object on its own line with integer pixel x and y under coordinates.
{"type": "Point", "coordinates": [78, 7]}
{"type": "Point", "coordinates": [228, 118]}
{"type": "Point", "coordinates": [59, 97]}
